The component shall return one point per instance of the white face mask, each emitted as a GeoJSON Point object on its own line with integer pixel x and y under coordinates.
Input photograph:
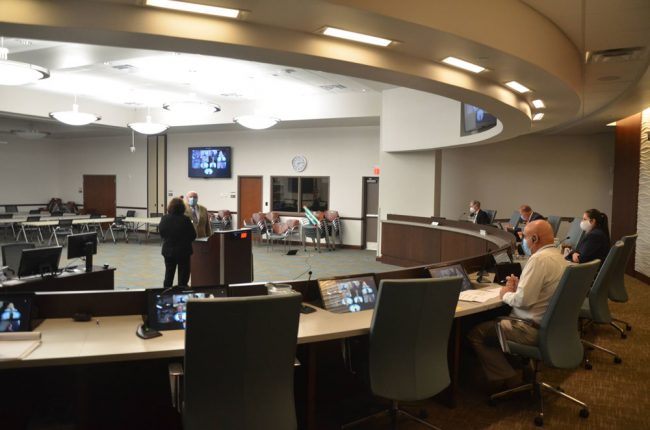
{"type": "Point", "coordinates": [585, 225]}
{"type": "Point", "coordinates": [471, 209]}
{"type": "Point", "coordinates": [192, 201]}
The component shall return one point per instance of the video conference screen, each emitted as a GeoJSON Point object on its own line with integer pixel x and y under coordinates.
{"type": "Point", "coordinates": [451, 271]}
{"type": "Point", "coordinates": [168, 309]}
{"type": "Point", "coordinates": [348, 294]}
{"type": "Point", "coordinates": [210, 162]}
{"type": "Point", "coordinates": [15, 313]}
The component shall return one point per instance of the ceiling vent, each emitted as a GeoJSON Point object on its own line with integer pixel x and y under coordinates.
{"type": "Point", "coordinates": [333, 87]}
{"type": "Point", "coordinates": [617, 55]}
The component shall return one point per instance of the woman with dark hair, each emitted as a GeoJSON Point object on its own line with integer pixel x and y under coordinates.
{"type": "Point", "coordinates": [177, 233]}
{"type": "Point", "coordinates": [595, 243]}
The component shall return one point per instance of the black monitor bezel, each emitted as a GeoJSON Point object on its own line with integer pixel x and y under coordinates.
{"type": "Point", "coordinates": [152, 321]}
{"type": "Point", "coordinates": [74, 244]}
{"type": "Point", "coordinates": [228, 171]}
{"type": "Point", "coordinates": [467, 284]}
{"type": "Point", "coordinates": [48, 251]}
{"type": "Point", "coordinates": [26, 315]}
{"type": "Point", "coordinates": [346, 278]}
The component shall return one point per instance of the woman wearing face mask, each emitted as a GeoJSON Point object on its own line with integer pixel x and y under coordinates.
{"type": "Point", "coordinates": [595, 242]}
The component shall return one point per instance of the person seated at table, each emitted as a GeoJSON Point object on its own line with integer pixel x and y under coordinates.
{"type": "Point", "coordinates": [526, 215]}
{"type": "Point", "coordinates": [177, 233]}
{"type": "Point", "coordinates": [477, 215]}
{"type": "Point", "coordinates": [529, 297]}
{"type": "Point", "coordinates": [595, 243]}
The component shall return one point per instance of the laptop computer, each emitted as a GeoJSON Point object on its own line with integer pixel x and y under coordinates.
{"type": "Point", "coordinates": [450, 271]}
{"type": "Point", "coordinates": [341, 295]}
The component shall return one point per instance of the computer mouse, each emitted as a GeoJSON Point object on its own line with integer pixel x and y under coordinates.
{"type": "Point", "coordinates": [144, 332]}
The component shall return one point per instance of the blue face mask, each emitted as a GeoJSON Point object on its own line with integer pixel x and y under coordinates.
{"type": "Point", "coordinates": [192, 201]}
{"type": "Point", "coordinates": [524, 245]}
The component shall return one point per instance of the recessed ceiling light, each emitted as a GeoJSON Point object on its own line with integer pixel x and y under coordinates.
{"type": "Point", "coordinates": [192, 107]}
{"type": "Point", "coordinates": [466, 65]}
{"type": "Point", "coordinates": [612, 124]}
{"type": "Point", "coordinates": [538, 116]}
{"type": "Point", "coordinates": [539, 104]}
{"type": "Point", "coordinates": [195, 8]}
{"type": "Point", "coordinates": [356, 37]}
{"type": "Point", "coordinates": [518, 87]}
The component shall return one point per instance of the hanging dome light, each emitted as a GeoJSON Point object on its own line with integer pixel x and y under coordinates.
{"type": "Point", "coordinates": [192, 107]}
{"type": "Point", "coordinates": [148, 127]}
{"type": "Point", "coordinates": [256, 122]}
{"type": "Point", "coordinates": [18, 73]}
{"type": "Point", "coordinates": [74, 117]}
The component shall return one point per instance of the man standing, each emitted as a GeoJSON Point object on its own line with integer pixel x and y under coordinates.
{"type": "Point", "coordinates": [479, 216]}
{"type": "Point", "coordinates": [529, 297]}
{"type": "Point", "coordinates": [198, 214]}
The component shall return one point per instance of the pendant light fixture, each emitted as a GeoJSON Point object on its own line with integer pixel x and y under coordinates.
{"type": "Point", "coordinates": [256, 122]}
{"type": "Point", "coordinates": [16, 72]}
{"type": "Point", "coordinates": [148, 127]}
{"type": "Point", "coordinates": [74, 117]}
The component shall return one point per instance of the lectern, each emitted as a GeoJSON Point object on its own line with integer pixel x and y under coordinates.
{"type": "Point", "coordinates": [225, 257]}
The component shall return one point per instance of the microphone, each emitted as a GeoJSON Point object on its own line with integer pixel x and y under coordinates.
{"type": "Point", "coordinates": [560, 242]}
{"type": "Point", "coordinates": [309, 277]}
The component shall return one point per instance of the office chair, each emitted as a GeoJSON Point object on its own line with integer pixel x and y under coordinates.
{"type": "Point", "coordinates": [492, 214]}
{"type": "Point", "coordinates": [574, 234]}
{"type": "Point", "coordinates": [514, 219]}
{"type": "Point", "coordinates": [555, 221]}
{"type": "Point", "coordinates": [11, 254]}
{"type": "Point", "coordinates": [409, 335]}
{"type": "Point", "coordinates": [558, 342]}
{"type": "Point", "coordinates": [283, 232]}
{"type": "Point", "coordinates": [24, 229]}
{"type": "Point", "coordinates": [119, 225]}
{"type": "Point", "coordinates": [9, 225]}
{"type": "Point", "coordinates": [595, 307]}
{"type": "Point", "coordinates": [64, 228]}
{"type": "Point", "coordinates": [335, 227]}
{"type": "Point", "coordinates": [11, 208]}
{"type": "Point", "coordinates": [617, 291]}
{"type": "Point", "coordinates": [239, 363]}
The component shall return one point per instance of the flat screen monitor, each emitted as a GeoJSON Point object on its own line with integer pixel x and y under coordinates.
{"type": "Point", "coordinates": [341, 295]}
{"type": "Point", "coordinates": [15, 312]}
{"type": "Point", "coordinates": [39, 261]}
{"type": "Point", "coordinates": [167, 307]}
{"type": "Point", "coordinates": [451, 271]}
{"type": "Point", "coordinates": [209, 162]}
{"type": "Point", "coordinates": [475, 119]}
{"type": "Point", "coordinates": [82, 245]}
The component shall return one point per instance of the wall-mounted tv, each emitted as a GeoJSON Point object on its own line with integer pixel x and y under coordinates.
{"type": "Point", "coordinates": [209, 162]}
{"type": "Point", "coordinates": [475, 120]}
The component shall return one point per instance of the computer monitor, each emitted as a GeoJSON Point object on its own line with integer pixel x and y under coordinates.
{"type": "Point", "coordinates": [167, 307]}
{"type": "Point", "coordinates": [15, 312]}
{"type": "Point", "coordinates": [39, 261]}
{"type": "Point", "coordinates": [83, 245]}
{"type": "Point", "coordinates": [341, 295]}
{"type": "Point", "coordinates": [450, 271]}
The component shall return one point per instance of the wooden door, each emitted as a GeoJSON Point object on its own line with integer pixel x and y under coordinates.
{"type": "Point", "coordinates": [249, 197]}
{"type": "Point", "coordinates": [99, 194]}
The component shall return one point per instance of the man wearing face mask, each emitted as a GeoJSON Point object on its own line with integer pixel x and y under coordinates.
{"type": "Point", "coordinates": [479, 216]}
{"type": "Point", "coordinates": [526, 215]}
{"type": "Point", "coordinates": [595, 243]}
{"type": "Point", "coordinates": [529, 297]}
{"type": "Point", "coordinates": [198, 214]}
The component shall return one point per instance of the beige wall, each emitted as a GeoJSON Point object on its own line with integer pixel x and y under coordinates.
{"type": "Point", "coordinates": [642, 263]}
{"type": "Point", "coordinates": [556, 175]}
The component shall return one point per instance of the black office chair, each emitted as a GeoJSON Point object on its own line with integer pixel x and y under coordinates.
{"type": "Point", "coordinates": [25, 229]}
{"type": "Point", "coordinates": [117, 226]}
{"type": "Point", "coordinates": [11, 208]}
{"type": "Point", "coordinates": [409, 335]}
{"type": "Point", "coordinates": [239, 363]}
{"type": "Point", "coordinates": [492, 214]}
{"type": "Point", "coordinates": [64, 228]}
{"type": "Point", "coordinates": [558, 342]}
{"type": "Point", "coordinates": [6, 225]}
{"type": "Point", "coordinates": [11, 254]}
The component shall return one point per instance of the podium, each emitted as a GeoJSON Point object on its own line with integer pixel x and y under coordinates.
{"type": "Point", "coordinates": [225, 257]}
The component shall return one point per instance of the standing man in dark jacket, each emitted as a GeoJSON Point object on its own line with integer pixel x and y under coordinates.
{"type": "Point", "coordinates": [177, 233]}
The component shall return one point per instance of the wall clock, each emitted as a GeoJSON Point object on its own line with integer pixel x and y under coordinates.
{"type": "Point", "coordinates": [299, 163]}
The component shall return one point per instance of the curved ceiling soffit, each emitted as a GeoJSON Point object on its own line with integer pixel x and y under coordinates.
{"type": "Point", "coordinates": [139, 27]}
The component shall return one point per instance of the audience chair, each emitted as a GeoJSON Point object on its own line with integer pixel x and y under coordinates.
{"type": "Point", "coordinates": [617, 291]}
{"type": "Point", "coordinates": [595, 309]}
{"type": "Point", "coordinates": [492, 214]}
{"type": "Point", "coordinates": [574, 234]}
{"type": "Point", "coordinates": [239, 363]}
{"type": "Point", "coordinates": [255, 229]}
{"type": "Point", "coordinates": [226, 219]}
{"type": "Point", "coordinates": [335, 227]}
{"type": "Point", "coordinates": [24, 229]}
{"type": "Point", "coordinates": [117, 226]}
{"type": "Point", "coordinates": [263, 224]}
{"type": "Point", "coordinates": [63, 229]}
{"type": "Point", "coordinates": [7, 225]}
{"type": "Point", "coordinates": [409, 336]}
{"type": "Point", "coordinates": [559, 343]}
{"type": "Point", "coordinates": [11, 208]}
{"type": "Point", "coordinates": [283, 232]}
{"type": "Point", "coordinates": [555, 221]}
{"type": "Point", "coordinates": [315, 233]}
{"type": "Point", "coordinates": [11, 254]}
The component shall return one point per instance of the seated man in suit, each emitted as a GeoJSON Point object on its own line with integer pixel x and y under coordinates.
{"type": "Point", "coordinates": [529, 297]}
{"type": "Point", "coordinates": [198, 214]}
{"type": "Point", "coordinates": [479, 216]}
{"type": "Point", "coordinates": [526, 215]}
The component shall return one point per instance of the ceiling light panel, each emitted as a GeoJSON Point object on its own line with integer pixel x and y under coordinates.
{"type": "Point", "coordinates": [462, 64]}
{"type": "Point", "coordinates": [538, 116]}
{"type": "Point", "coordinates": [538, 104]}
{"type": "Point", "coordinates": [518, 87]}
{"type": "Point", "coordinates": [202, 9]}
{"type": "Point", "coordinates": [356, 37]}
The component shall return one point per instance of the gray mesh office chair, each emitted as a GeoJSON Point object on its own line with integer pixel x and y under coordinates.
{"type": "Point", "coordinates": [595, 308]}
{"type": "Point", "coordinates": [574, 234]}
{"type": "Point", "coordinates": [239, 363]}
{"type": "Point", "coordinates": [555, 221]}
{"type": "Point", "coordinates": [409, 335]}
{"type": "Point", "coordinates": [11, 254]}
{"type": "Point", "coordinates": [558, 342]}
{"type": "Point", "coordinates": [514, 219]}
{"type": "Point", "coordinates": [617, 291]}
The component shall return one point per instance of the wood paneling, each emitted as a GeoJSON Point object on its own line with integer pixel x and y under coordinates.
{"type": "Point", "coordinates": [627, 155]}
{"type": "Point", "coordinates": [412, 245]}
{"type": "Point", "coordinates": [99, 194]}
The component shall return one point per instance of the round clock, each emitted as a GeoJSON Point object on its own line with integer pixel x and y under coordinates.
{"type": "Point", "coordinates": [299, 163]}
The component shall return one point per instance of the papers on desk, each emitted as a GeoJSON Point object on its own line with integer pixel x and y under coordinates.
{"type": "Point", "coordinates": [480, 296]}
{"type": "Point", "coordinates": [16, 346]}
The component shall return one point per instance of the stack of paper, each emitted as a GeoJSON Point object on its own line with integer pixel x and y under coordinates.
{"type": "Point", "coordinates": [480, 296]}
{"type": "Point", "coordinates": [16, 346]}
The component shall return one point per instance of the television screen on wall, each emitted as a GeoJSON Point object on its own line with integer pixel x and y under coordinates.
{"type": "Point", "coordinates": [209, 162]}
{"type": "Point", "coordinates": [475, 119]}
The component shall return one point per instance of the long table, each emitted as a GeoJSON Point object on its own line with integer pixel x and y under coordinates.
{"type": "Point", "coordinates": [54, 223]}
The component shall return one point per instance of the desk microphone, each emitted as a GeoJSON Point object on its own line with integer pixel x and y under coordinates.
{"type": "Point", "coordinates": [309, 277]}
{"type": "Point", "coordinates": [560, 242]}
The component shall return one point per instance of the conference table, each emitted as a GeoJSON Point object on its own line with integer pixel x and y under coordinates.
{"type": "Point", "coordinates": [54, 221]}
{"type": "Point", "coordinates": [137, 222]}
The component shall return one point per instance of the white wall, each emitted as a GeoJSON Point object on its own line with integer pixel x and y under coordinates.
{"type": "Point", "coordinates": [29, 171]}
{"type": "Point", "coordinates": [556, 175]}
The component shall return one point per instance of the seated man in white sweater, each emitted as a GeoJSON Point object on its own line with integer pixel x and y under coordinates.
{"type": "Point", "coordinates": [529, 297]}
